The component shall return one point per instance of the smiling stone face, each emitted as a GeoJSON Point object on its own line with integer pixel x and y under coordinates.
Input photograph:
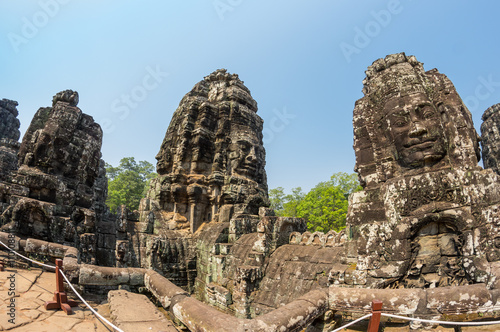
{"type": "Point", "coordinates": [410, 121]}
{"type": "Point", "coordinates": [246, 157]}
{"type": "Point", "coordinates": [415, 128]}
{"type": "Point", "coordinates": [211, 162]}
{"type": "Point", "coordinates": [416, 156]}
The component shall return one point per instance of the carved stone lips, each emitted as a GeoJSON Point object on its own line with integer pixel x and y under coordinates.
{"type": "Point", "coordinates": [420, 144]}
{"type": "Point", "coordinates": [249, 168]}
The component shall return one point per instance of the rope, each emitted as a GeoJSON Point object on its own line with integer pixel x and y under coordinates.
{"type": "Point", "coordinates": [442, 322]}
{"type": "Point", "coordinates": [41, 264]}
{"type": "Point", "coordinates": [85, 302]}
{"type": "Point", "coordinates": [352, 323]}
{"type": "Point", "coordinates": [70, 285]}
{"type": "Point", "coordinates": [340, 328]}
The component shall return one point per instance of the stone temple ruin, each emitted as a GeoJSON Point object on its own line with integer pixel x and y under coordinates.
{"type": "Point", "coordinates": [426, 224]}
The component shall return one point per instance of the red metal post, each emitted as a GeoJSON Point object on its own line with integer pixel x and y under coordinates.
{"type": "Point", "coordinates": [376, 314]}
{"type": "Point", "coordinates": [60, 299]}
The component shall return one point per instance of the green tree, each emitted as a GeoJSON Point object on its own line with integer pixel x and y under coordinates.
{"type": "Point", "coordinates": [292, 201]}
{"type": "Point", "coordinates": [276, 197]}
{"type": "Point", "coordinates": [285, 205]}
{"type": "Point", "coordinates": [325, 205]}
{"type": "Point", "coordinates": [128, 183]}
{"type": "Point", "coordinates": [346, 182]}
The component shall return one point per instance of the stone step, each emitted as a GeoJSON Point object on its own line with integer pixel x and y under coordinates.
{"type": "Point", "coordinates": [135, 312]}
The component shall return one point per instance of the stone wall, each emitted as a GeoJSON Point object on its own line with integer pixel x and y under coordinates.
{"type": "Point", "coordinates": [231, 263]}
{"type": "Point", "coordinates": [292, 271]}
{"type": "Point", "coordinates": [426, 223]}
{"type": "Point", "coordinates": [139, 244]}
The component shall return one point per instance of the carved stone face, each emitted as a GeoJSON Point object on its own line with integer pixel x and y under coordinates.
{"type": "Point", "coordinates": [245, 157]}
{"type": "Point", "coordinates": [414, 125]}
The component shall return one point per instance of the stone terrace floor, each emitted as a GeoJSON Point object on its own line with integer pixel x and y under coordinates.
{"type": "Point", "coordinates": [33, 287]}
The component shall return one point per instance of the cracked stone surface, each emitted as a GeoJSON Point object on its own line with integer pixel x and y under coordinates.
{"type": "Point", "coordinates": [135, 312]}
{"type": "Point", "coordinates": [211, 162]}
{"type": "Point", "coordinates": [32, 289]}
{"type": "Point", "coordinates": [9, 123]}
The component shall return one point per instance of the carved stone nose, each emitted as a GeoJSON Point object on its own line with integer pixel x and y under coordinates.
{"type": "Point", "coordinates": [251, 155]}
{"type": "Point", "coordinates": [417, 129]}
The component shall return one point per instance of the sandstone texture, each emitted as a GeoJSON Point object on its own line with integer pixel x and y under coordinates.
{"type": "Point", "coordinates": [211, 162]}
{"type": "Point", "coordinates": [9, 136]}
{"type": "Point", "coordinates": [423, 235]}
{"type": "Point", "coordinates": [9, 123]}
{"type": "Point", "coordinates": [490, 138]}
{"type": "Point", "coordinates": [428, 215]}
{"type": "Point", "coordinates": [142, 316]}
{"type": "Point", "coordinates": [59, 189]}
{"type": "Point", "coordinates": [210, 171]}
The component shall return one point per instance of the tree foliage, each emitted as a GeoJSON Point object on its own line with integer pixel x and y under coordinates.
{"type": "Point", "coordinates": [324, 206]}
{"type": "Point", "coordinates": [285, 205]}
{"type": "Point", "coordinates": [128, 183]}
{"type": "Point", "coordinates": [277, 198]}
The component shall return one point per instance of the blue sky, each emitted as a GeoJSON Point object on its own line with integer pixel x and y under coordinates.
{"type": "Point", "coordinates": [303, 62]}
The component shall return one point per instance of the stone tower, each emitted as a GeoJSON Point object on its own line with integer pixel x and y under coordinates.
{"type": "Point", "coordinates": [428, 213]}
{"type": "Point", "coordinates": [59, 189]}
{"type": "Point", "coordinates": [211, 162]}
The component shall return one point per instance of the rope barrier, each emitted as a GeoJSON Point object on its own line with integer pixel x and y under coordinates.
{"type": "Point", "coordinates": [352, 323]}
{"type": "Point", "coordinates": [336, 330]}
{"type": "Point", "coordinates": [70, 285]}
{"type": "Point", "coordinates": [85, 302]}
{"type": "Point", "coordinates": [420, 320]}
{"type": "Point", "coordinates": [29, 259]}
{"type": "Point", "coordinates": [441, 321]}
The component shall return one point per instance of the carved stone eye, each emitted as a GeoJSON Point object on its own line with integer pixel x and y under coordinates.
{"type": "Point", "coordinates": [244, 146]}
{"type": "Point", "coordinates": [400, 121]}
{"type": "Point", "coordinates": [427, 113]}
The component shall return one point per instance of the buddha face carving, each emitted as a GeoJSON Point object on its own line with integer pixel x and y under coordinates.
{"type": "Point", "coordinates": [416, 131]}
{"type": "Point", "coordinates": [245, 157]}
